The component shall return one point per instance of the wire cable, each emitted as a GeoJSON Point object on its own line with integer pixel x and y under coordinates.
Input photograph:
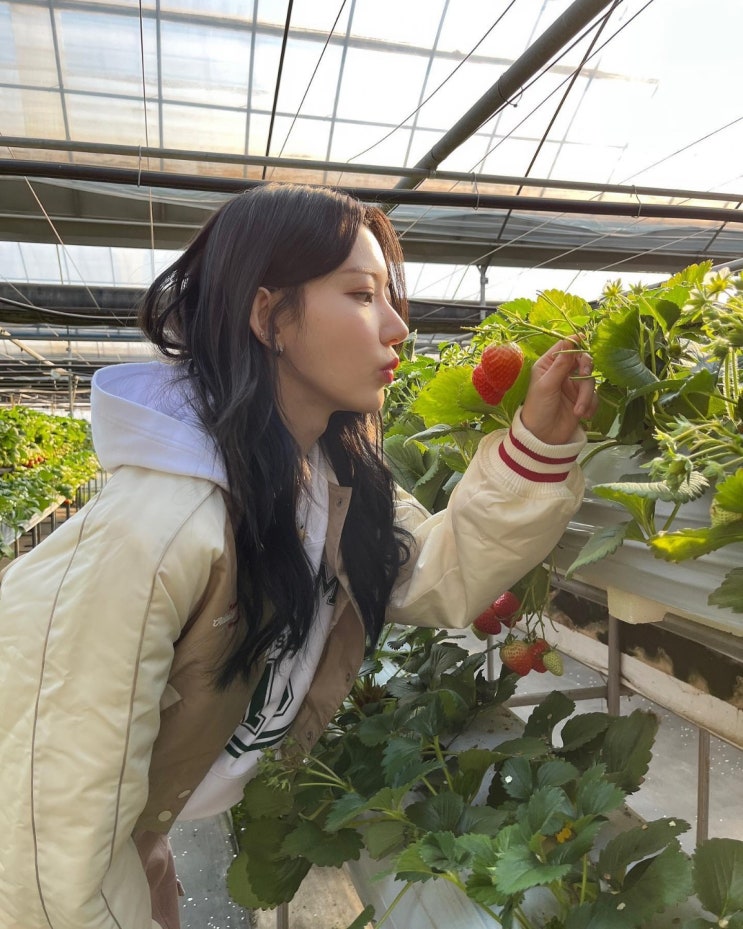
{"type": "Point", "coordinates": [309, 85]}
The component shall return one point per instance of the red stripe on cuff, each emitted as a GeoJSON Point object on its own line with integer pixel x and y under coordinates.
{"type": "Point", "coordinates": [544, 459]}
{"type": "Point", "coordinates": [539, 477]}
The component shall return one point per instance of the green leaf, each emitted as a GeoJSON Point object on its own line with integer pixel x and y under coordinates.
{"type": "Point", "coordinates": [449, 398]}
{"type": "Point", "coordinates": [519, 869]}
{"type": "Point", "coordinates": [517, 778]}
{"type": "Point", "coordinates": [402, 763]}
{"type": "Point", "coordinates": [471, 767]}
{"type": "Point", "coordinates": [263, 800]}
{"type": "Point", "coordinates": [345, 809]}
{"type": "Point", "coordinates": [410, 866]}
{"type": "Point", "coordinates": [546, 811]}
{"type": "Point", "coordinates": [480, 819]}
{"type": "Point", "coordinates": [616, 349]}
{"type": "Point", "coordinates": [426, 490]}
{"type": "Point", "coordinates": [439, 813]}
{"type": "Point", "coordinates": [375, 730]}
{"type": "Point", "coordinates": [729, 493]}
{"type": "Point", "coordinates": [603, 542]}
{"type": "Point", "coordinates": [580, 730]}
{"type": "Point", "coordinates": [546, 715]}
{"type": "Point", "coordinates": [690, 489]}
{"type": "Point", "coordinates": [730, 593]}
{"type": "Point", "coordinates": [382, 839]}
{"type": "Point", "coordinates": [595, 795]}
{"type": "Point", "coordinates": [407, 461]}
{"type": "Point", "coordinates": [691, 543]}
{"type": "Point", "coordinates": [262, 882]}
{"type": "Point", "coordinates": [555, 773]}
{"type": "Point", "coordinates": [661, 883]}
{"type": "Point", "coordinates": [525, 746]}
{"type": "Point", "coordinates": [718, 875]}
{"type": "Point", "coordinates": [626, 751]}
{"type": "Point", "coordinates": [442, 852]}
{"type": "Point", "coordinates": [327, 850]}
{"type": "Point", "coordinates": [363, 919]}
{"type": "Point", "coordinates": [637, 843]}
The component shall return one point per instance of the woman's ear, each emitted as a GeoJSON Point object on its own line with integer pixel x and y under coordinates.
{"type": "Point", "coordinates": [260, 317]}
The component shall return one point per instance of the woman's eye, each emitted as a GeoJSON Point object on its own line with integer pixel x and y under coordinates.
{"type": "Point", "coordinates": [366, 296]}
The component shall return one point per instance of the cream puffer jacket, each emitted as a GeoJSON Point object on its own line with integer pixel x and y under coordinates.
{"type": "Point", "coordinates": [110, 631]}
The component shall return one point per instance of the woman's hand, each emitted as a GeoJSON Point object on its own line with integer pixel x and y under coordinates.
{"type": "Point", "coordinates": [561, 393]}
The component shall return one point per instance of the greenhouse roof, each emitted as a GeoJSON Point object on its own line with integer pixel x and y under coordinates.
{"type": "Point", "coordinates": [517, 146]}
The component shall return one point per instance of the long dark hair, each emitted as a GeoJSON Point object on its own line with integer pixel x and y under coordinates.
{"type": "Point", "coordinates": [198, 312]}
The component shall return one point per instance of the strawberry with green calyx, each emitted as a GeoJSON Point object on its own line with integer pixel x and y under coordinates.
{"type": "Point", "coordinates": [487, 623]}
{"type": "Point", "coordinates": [552, 661]}
{"type": "Point", "coordinates": [537, 648]}
{"type": "Point", "coordinates": [507, 608]}
{"type": "Point", "coordinates": [482, 385]}
{"type": "Point", "coordinates": [516, 656]}
{"type": "Point", "coordinates": [502, 364]}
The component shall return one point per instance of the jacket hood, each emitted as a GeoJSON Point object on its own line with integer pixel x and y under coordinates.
{"type": "Point", "coordinates": [141, 415]}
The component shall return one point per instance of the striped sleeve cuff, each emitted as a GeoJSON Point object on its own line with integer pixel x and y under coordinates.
{"type": "Point", "coordinates": [537, 461]}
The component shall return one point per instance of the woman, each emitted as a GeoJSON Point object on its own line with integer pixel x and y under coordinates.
{"type": "Point", "coordinates": [221, 589]}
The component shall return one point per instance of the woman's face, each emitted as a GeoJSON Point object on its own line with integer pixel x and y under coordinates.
{"type": "Point", "coordinates": [340, 355]}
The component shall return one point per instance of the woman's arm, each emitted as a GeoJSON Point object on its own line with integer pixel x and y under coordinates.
{"type": "Point", "coordinates": [510, 508]}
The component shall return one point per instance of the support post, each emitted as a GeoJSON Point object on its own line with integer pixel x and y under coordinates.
{"type": "Point", "coordinates": [703, 786]}
{"type": "Point", "coordinates": [613, 684]}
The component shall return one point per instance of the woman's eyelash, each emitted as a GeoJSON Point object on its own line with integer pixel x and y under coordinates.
{"type": "Point", "coordinates": [367, 295]}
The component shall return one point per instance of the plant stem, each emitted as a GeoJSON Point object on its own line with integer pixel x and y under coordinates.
{"type": "Point", "coordinates": [440, 756]}
{"type": "Point", "coordinates": [584, 880]}
{"type": "Point", "coordinates": [394, 903]}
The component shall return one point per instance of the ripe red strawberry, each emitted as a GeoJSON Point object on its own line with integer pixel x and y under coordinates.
{"type": "Point", "coordinates": [489, 394]}
{"type": "Point", "coordinates": [487, 623]}
{"type": "Point", "coordinates": [552, 661]}
{"type": "Point", "coordinates": [507, 607]}
{"type": "Point", "coordinates": [537, 648]}
{"type": "Point", "coordinates": [516, 656]}
{"type": "Point", "coordinates": [502, 364]}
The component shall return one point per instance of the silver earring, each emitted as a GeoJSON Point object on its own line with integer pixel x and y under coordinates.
{"type": "Point", "coordinates": [279, 350]}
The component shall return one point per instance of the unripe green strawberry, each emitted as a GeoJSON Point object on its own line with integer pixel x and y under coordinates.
{"type": "Point", "coordinates": [487, 623]}
{"type": "Point", "coordinates": [516, 656]}
{"type": "Point", "coordinates": [537, 648]}
{"type": "Point", "coordinates": [720, 516]}
{"type": "Point", "coordinates": [502, 364]}
{"type": "Point", "coordinates": [552, 661]}
{"type": "Point", "coordinates": [482, 385]}
{"type": "Point", "coordinates": [507, 608]}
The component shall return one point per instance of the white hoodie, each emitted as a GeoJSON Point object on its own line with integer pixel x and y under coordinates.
{"type": "Point", "coordinates": [142, 415]}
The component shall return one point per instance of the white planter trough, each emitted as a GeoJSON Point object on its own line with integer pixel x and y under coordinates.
{"type": "Point", "coordinates": [641, 587]}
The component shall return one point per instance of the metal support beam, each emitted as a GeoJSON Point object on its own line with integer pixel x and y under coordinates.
{"type": "Point", "coordinates": [165, 180]}
{"type": "Point", "coordinates": [578, 15]}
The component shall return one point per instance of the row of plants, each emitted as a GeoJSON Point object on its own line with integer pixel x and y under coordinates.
{"type": "Point", "coordinates": [529, 815]}
{"type": "Point", "coordinates": [43, 458]}
{"type": "Point", "coordinates": [668, 372]}
{"type": "Point", "coordinates": [500, 822]}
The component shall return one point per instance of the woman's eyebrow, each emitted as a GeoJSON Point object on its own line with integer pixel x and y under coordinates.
{"type": "Point", "coordinates": [360, 270]}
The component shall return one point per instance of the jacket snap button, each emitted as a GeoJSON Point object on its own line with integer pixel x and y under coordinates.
{"type": "Point", "coordinates": [184, 793]}
{"type": "Point", "coordinates": [164, 816]}
{"type": "Point", "coordinates": [310, 734]}
{"type": "Point", "coordinates": [348, 677]}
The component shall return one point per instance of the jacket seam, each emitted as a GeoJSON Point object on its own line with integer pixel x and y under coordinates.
{"type": "Point", "coordinates": [36, 714]}
{"type": "Point", "coordinates": [133, 687]}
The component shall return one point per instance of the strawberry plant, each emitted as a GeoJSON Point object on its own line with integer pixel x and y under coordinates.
{"type": "Point", "coordinates": [667, 361]}
{"type": "Point", "coordinates": [42, 458]}
{"type": "Point", "coordinates": [531, 811]}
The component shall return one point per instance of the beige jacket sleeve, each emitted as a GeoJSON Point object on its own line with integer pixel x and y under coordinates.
{"type": "Point", "coordinates": [87, 626]}
{"type": "Point", "coordinates": [505, 515]}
